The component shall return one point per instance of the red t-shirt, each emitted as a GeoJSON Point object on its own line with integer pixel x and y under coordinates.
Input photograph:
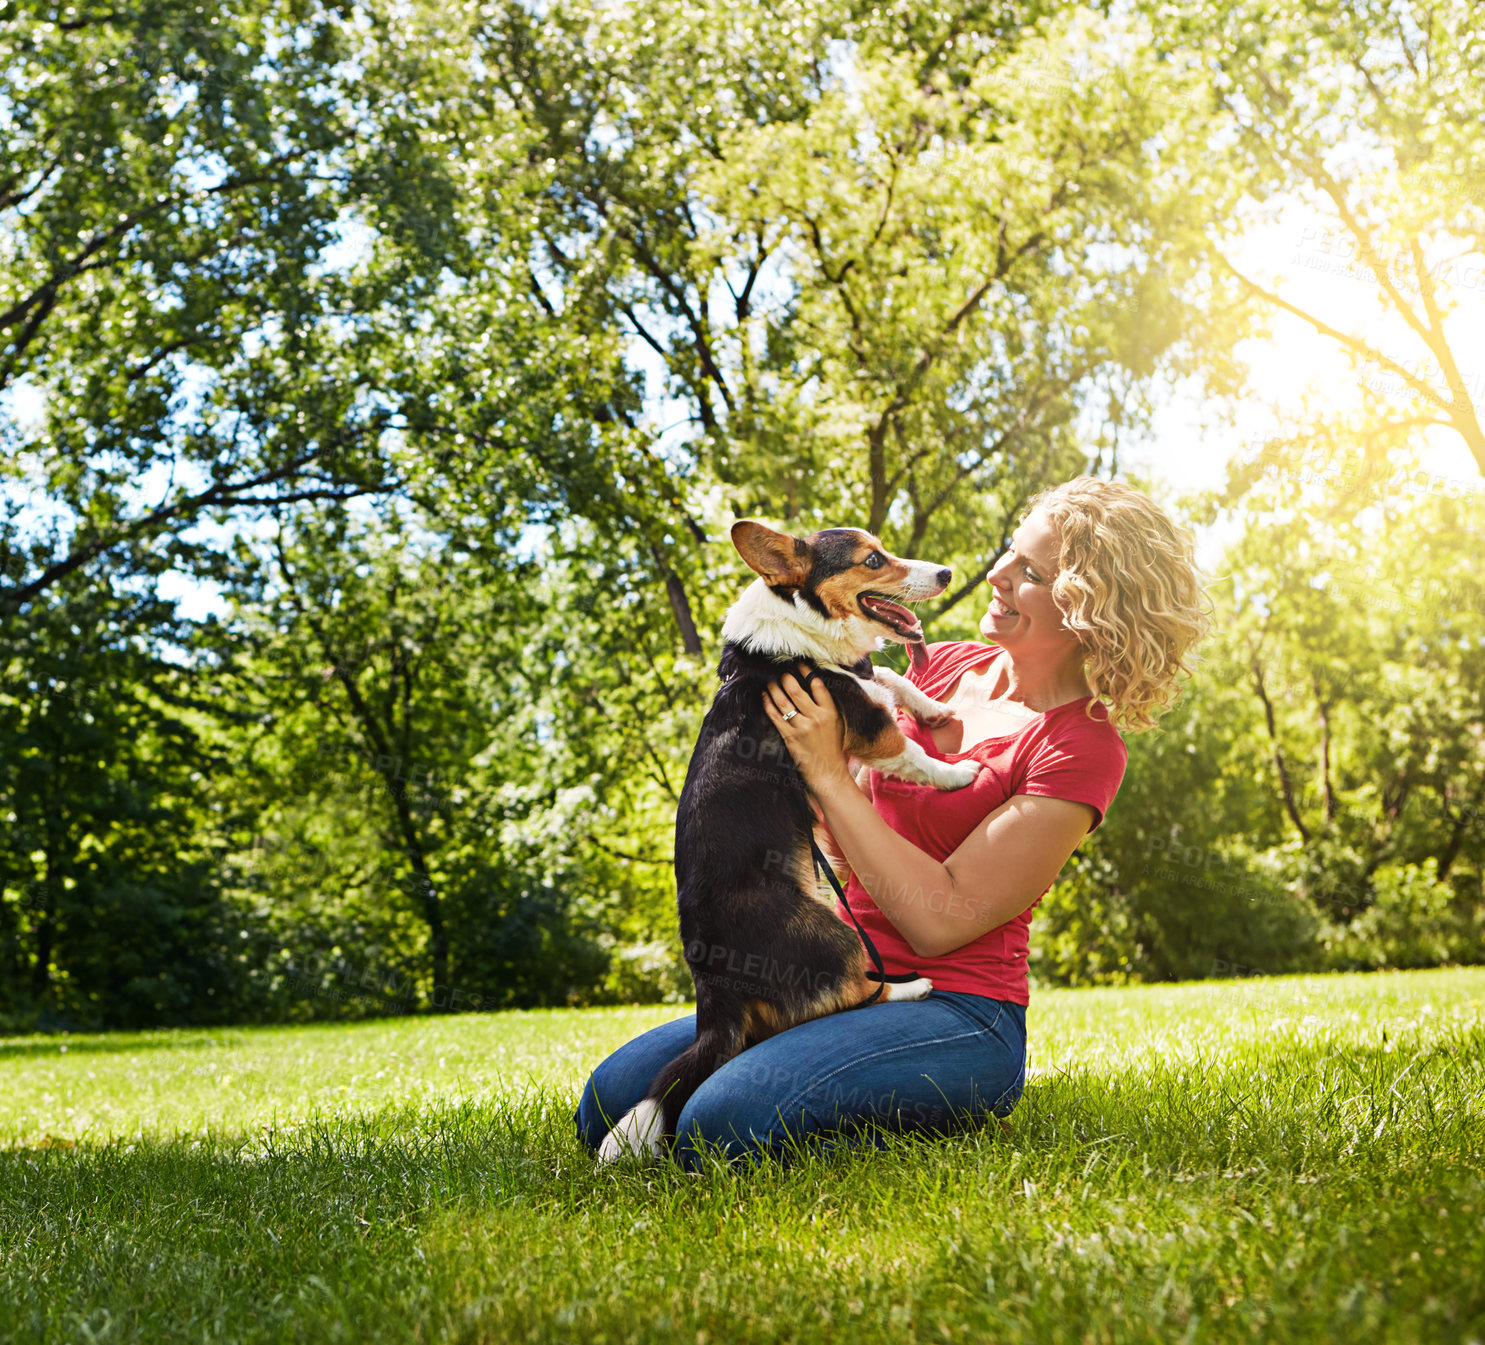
{"type": "Point", "coordinates": [1063, 754]}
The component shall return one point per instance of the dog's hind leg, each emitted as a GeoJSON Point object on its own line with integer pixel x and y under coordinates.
{"type": "Point", "coordinates": [866, 991]}
{"type": "Point", "coordinates": [915, 989]}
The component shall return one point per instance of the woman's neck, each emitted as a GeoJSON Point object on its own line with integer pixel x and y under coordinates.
{"type": "Point", "coordinates": [1039, 688]}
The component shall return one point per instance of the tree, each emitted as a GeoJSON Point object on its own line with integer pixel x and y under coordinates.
{"type": "Point", "coordinates": [111, 907]}
{"type": "Point", "coordinates": [1360, 642]}
{"type": "Point", "coordinates": [1369, 113]}
{"type": "Point", "coordinates": [881, 290]}
{"type": "Point", "coordinates": [176, 190]}
{"type": "Point", "coordinates": [406, 729]}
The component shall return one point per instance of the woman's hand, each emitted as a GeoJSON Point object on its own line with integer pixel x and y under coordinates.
{"type": "Point", "coordinates": [814, 733]}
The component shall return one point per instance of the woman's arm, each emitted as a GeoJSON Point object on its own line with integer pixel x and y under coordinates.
{"type": "Point", "coordinates": [859, 771]}
{"type": "Point", "coordinates": [999, 870]}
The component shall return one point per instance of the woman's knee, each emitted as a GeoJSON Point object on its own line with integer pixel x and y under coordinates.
{"type": "Point", "coordinates": [723, 1123]}
{"type": "Point", "coordinates": [591, 1116]}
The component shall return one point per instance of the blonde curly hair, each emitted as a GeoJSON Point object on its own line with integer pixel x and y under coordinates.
{"type": "Point", "coordinates": [1128, 586]}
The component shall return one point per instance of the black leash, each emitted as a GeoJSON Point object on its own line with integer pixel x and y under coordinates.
{"type": "Point", "coordinates": [881, 977]}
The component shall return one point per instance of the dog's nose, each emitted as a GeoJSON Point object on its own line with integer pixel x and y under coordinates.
{"type": "Point", "coordinates": [945, 575]}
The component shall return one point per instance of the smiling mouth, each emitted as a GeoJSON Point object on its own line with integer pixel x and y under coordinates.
{"type": "Point", "coordinates": [878, 607]}
{"type": "Point", "coordinates": [1005, 608]}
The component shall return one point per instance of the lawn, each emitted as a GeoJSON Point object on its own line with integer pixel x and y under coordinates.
{"type": "Point", "coordinates": [1295, 1158]}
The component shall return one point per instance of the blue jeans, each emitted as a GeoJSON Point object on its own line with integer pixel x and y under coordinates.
{"type": "Point", "coordinates": [933, 1066]}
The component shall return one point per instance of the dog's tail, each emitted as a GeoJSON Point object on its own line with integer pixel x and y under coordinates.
{"type": "Point", "coordinates": [646, 1127]}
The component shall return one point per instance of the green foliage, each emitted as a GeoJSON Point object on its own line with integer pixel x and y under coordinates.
{"type": "Point", "coordinates": [111, 906]}
{"type": "Point", "coordinates": [1363, 111]}
{"type": "Point", "coordinates": [1413, 921]}
{"type": "Point", "coordinates": [175, 185]}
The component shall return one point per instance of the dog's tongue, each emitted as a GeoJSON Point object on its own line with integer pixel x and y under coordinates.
{"type": "Point", "coordinates": [905, 626]}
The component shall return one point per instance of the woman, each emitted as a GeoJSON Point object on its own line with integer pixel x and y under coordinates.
{"type": "Point", "coordinates": [1094, 608]}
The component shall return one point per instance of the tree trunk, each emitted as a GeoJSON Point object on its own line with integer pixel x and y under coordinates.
{"type": "Point", "coordinates": [1328, 791]}
{"type": "Point", "coordinates": [1285, 787]}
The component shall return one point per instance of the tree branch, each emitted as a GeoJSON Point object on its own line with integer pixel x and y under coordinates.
{"type": "Point", "coordinates": [1350, 342]}
{"type": "Point", "coordinates": [222, 494]}
{"type": "Point", "coordinates": [1462, 412]}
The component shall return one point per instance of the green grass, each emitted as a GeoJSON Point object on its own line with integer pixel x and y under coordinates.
{"type": "Point", "coordinates": [1289, 1159]}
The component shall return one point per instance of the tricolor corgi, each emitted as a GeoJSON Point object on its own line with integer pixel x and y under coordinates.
{"type": "Point", "coordinates": [765, 947]}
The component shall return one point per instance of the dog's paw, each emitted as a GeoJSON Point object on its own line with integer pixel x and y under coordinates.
{"type": "Point", "coordinates": [934, 715]}
{"type": "Point", "coordinates": [917, 767]}
{"type": "Point", "coordinates": [638, 1132]}
{"type": "Point", "coordinates": [955, 774]}
{"type": "Point", "coordinates": [910, 989]}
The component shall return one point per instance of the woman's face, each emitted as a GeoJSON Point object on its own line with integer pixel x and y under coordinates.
{"type": "Point", "coordinates": [1022, 617]}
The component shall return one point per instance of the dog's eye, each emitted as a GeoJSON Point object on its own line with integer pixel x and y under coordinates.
{"type": "Point", "coordinates": [874, 561]}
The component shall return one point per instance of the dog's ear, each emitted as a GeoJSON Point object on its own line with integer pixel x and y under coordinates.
{"type": "Point", "coordinates": [778, 557]}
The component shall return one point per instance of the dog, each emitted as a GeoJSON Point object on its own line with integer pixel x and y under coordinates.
{"type": "Point", "coordinates": [765, 946]}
